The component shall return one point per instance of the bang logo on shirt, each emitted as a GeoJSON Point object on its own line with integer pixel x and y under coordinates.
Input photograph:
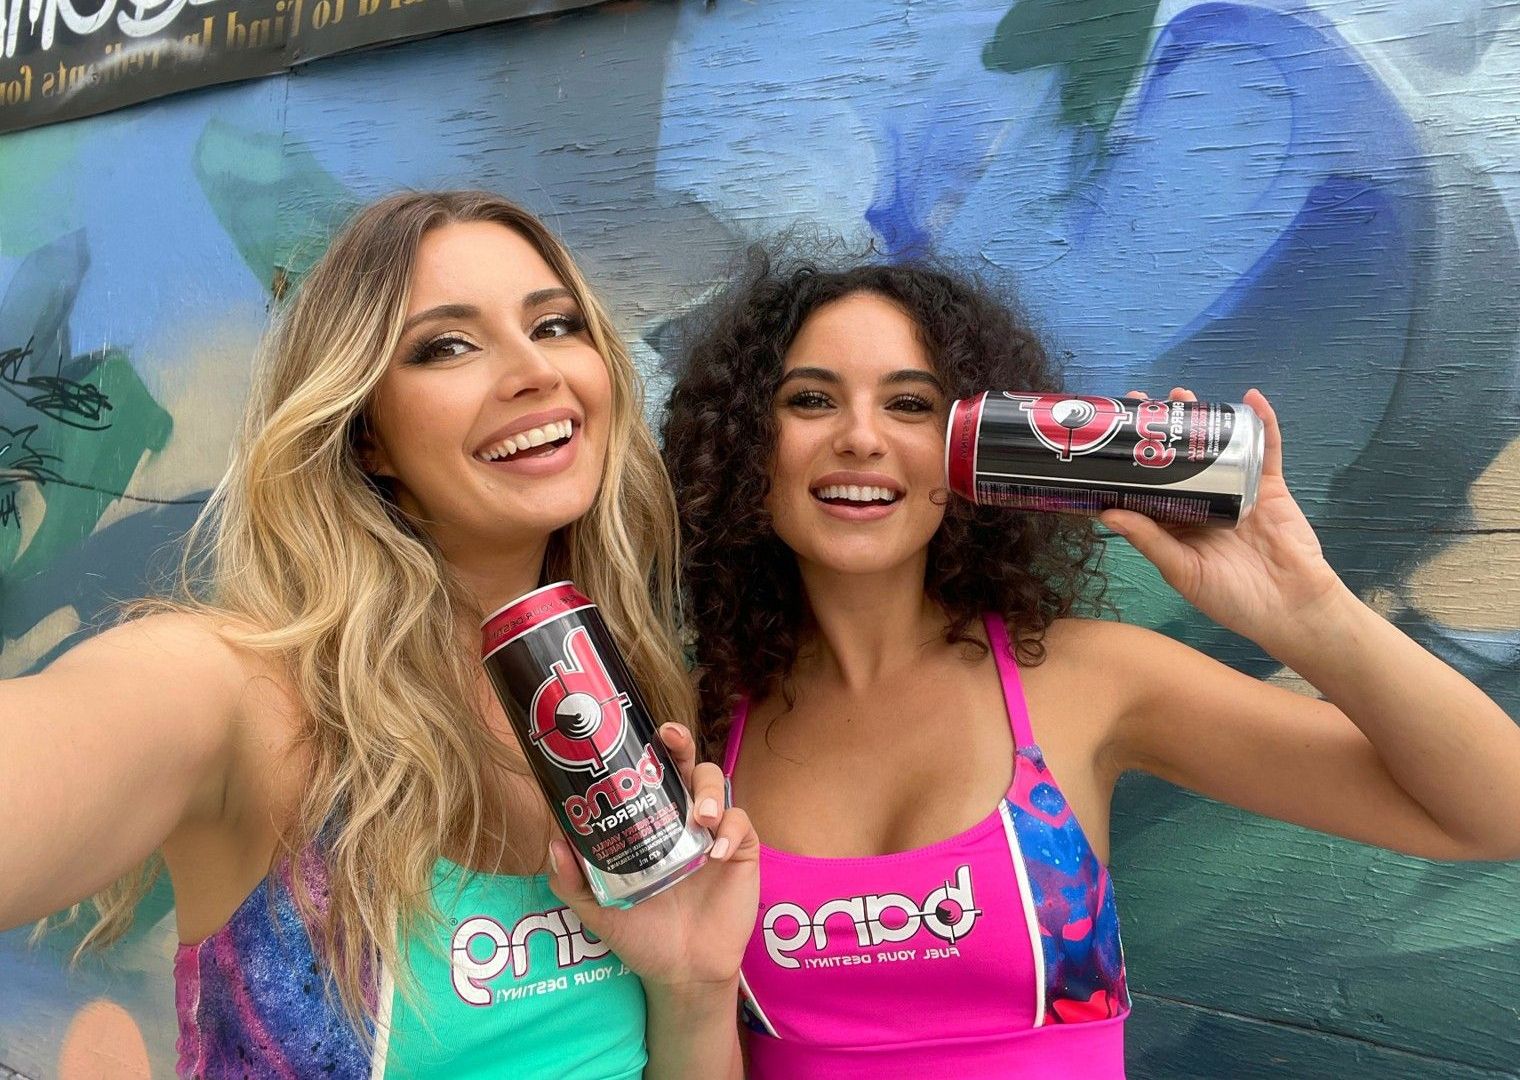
{"type": "Point", "coordinates": [948, 912]}
{"type": "Point", "coordinates": [507, 950]}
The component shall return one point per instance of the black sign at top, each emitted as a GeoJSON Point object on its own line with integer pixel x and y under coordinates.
{"type": "Point", "coordinates": [61, 59]}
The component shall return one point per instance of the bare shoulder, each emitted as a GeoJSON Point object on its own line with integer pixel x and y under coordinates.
{"type": "Point", "coordinates": [1111, 642]}
{"type": "Point", "coordinates": [193, 660]}
{"type": "Point", "coordinates": [193, 645]}
{"type": "Point", "coordinates": [1082, 645]}
{"type": "Point", "coordinates": [1116, 664]}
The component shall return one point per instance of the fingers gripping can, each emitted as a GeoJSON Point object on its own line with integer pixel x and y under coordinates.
{"type": "Point", "coordinates": [592, 744]}
{"type": "Point", "coordinates": [1180, 462]}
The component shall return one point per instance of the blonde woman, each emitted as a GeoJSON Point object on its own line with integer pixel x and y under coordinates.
{"type": "Point", "coordinates": [367, 880]}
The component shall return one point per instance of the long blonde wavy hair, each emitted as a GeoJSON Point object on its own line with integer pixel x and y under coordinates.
{"type": "Point", "coordinates": [305, 550]}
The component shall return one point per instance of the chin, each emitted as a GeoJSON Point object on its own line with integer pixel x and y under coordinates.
{"type": "Point", "coordinates": [556, 515]}
{"type": "Point", "coordinates": [875, 561]}
{"type": "Point", "coordinates": [527, 521]}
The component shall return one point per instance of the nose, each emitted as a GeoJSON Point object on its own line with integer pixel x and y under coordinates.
{"type": "Point", "coordinates": [859, 434]}
{"type": "Point", "coordinates": [525, 370]}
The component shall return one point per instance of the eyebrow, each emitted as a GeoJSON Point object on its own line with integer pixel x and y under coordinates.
{"type": "Point", "coordinates": [470, 311]}
{"type": "Point", "coordinates": [442, 311]}
{"type": "Point", "coordinates": [824, 375]}
{"type": "Point", "coordinates": [542, 296]}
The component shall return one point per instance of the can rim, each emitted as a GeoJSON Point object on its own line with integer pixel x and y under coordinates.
{"type": "Point", "coordinates": [524, 596]}
{"type": "Point", "coordinates": [977, 403]}
{"type": "Point", "coordinates": [1256, 461]}
{"type": "Point", "coordinates": [949, 427]}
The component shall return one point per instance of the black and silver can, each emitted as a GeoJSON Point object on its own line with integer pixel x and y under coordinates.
{"type": "Point", "coordinates": [1180, 462]}
{"type": "Point", "coordinates": [593, 744]}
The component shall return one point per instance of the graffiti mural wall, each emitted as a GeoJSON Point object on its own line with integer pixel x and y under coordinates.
{"type": "Point", "coordinates": [1315, 197]}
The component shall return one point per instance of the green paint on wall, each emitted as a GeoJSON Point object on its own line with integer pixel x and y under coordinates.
{"type": "Point", "coordinates": [1098, 44]}
{"type": "Point", "coordinates": [277, 203]}
{"type": "Point", "coordinates": [1136, 590]}
{"type": "Point", "coordinates": [1170, 1040]}
{"type": "Point", "coordinates": [105, 459]}
{"type": "Point", "coordinates": [1262, 919]}
{"type": "Point", "coordinates": [33, 166]}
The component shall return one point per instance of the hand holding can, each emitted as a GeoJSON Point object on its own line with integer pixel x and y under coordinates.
{"type": "Point", "coordinates": [1179, 462]}
{"type": "Point", "coordinates": [592, 744]}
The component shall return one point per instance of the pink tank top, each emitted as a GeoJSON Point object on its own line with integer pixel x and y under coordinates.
{"type": "Point", "coordinates": [994, 953]}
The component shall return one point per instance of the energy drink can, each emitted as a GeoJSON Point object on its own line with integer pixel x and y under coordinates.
{"type": "Point", "coordinates": [593, 744]}
{"type": "Point", "coordinates": [1179, 462]}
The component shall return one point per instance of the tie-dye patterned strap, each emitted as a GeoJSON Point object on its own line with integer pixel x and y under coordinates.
{"type": "Point", "coordinates": [1072, 899]}
{"type": "Point", "coordinates": [250, 997]}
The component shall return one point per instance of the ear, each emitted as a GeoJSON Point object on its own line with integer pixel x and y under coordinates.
{"type": "Point", "coordinates": [370, 452]}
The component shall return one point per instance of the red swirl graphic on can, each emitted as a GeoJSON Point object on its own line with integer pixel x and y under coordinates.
{"type": "Point", "coordinates": [1073, 426]}
{"type": "Point", "coordinates": [578, 715]}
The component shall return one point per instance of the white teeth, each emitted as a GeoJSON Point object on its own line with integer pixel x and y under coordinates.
{"type": "Point", "coordinates": [560, 429]}
{"type": "Point", "coordinates": [857, 493]}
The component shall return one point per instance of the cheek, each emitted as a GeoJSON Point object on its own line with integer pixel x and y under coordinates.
{"type": "Point", "coordinates": [932, 516]}
{"type": "Point", "coordinates": [796, 446]}
{"type": "Point", "coordinates": [589, 379]}
{"type": "Point", "coordinates": [422, 423]}
{"type": "Point", "coordinates": [788, 476]}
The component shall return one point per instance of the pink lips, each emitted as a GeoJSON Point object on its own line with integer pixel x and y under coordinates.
{"type": "Point", "coordinates": [536, 462]}
{"type": "Point", "coordinates": [858, 512]}
{"type": "Point", "coordinates": [873, 512]}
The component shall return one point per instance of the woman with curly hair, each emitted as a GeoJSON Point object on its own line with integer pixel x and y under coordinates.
{"type": "Point", "coordinates": [367, 880]}
{"type": "Point", "coordinates": [926, 733]}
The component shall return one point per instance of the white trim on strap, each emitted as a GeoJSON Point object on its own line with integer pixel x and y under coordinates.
{"type": "Point", "coordinates": [1031, 916]}
{"type": "Point", "coordinates": [754, 1006]}
{"type": "Point", "coordinates": [382, 1048]}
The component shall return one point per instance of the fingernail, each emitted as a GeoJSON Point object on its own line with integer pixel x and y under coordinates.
{"type": "Point", "coordinates": [708, 811]}
{"type": "Point", "coordinates": [553, 860]}
{"type": "Point", "coordinates": [720, 849]}
{"type": "Point", "coordinates": [672, 729]}
{"type": "Point", "coordinates": [1120, 529]}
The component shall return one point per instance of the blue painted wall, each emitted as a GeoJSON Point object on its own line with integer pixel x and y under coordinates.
{"type": "Point", "coordinates": [1315, 197]}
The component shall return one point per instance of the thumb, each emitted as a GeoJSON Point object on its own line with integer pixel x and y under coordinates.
{"type": "Point", "coordinates": [1165, 551]}
{"type": "Point", "coordinates": [568, 881]}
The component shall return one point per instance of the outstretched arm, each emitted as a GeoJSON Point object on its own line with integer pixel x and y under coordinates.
{"type": "Point", "coordinates": [107, 753]}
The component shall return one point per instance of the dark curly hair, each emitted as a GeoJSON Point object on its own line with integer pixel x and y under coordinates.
{"type": "Point", "coordinates": [744, 604]}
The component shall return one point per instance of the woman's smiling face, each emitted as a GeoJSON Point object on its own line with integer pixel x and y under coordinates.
{"type": "Point", "coordinates": [492, 418]}
{"type": "Point", "coordinates": [859, 462]}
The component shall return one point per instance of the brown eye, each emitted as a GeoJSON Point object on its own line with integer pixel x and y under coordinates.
{"type": "Point", "coordinates": [443, 348]}
{"type": "Point", "coordinates": [558, 326]}
{"type": "Point", "coordinates": [809, 399]}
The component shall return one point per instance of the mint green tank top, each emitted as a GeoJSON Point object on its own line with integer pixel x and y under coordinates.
{"type": "Point", "coordinates": [511, 986]}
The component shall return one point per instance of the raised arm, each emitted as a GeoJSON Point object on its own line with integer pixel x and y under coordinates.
{"type": "Point", "coordinates": [1405, 753]}
{"type": "Point", "coordinates": [107, 753]}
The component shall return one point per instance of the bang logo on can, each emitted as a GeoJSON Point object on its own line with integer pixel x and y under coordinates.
{"type": "Point", "coordinates": [578, 715]}
{"type": "Point", "coordinates": [1075, 426]}
{"type": "Point", "coordinates": [592, 744]}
